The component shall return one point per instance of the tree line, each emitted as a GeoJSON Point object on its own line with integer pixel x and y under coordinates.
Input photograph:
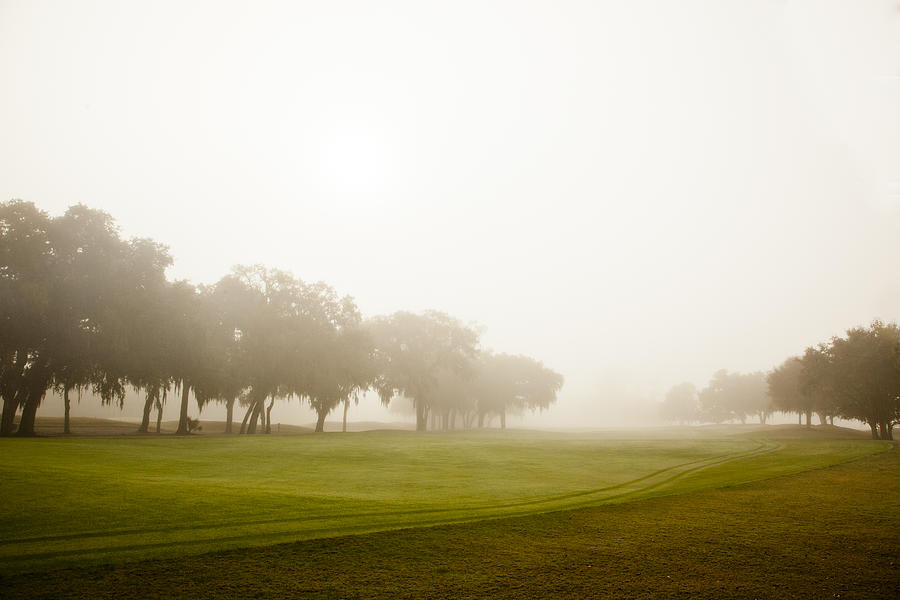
{"type": "Point", "coordinates": [83, 309]}
{"type": "Point", "coordinates": [855, 377]}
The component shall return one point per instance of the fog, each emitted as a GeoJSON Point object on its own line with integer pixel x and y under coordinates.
{"type": "Point", "coordinates": [635, 193]}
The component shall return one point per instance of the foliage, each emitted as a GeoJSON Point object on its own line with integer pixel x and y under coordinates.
{"type": "Point", "coordinates": [507, 383]}
{"type": "Point", "coordinates": [681, 404]}
{"type": "Point", "coordinates": [731, 396]}
{"type": "Point", "coordinates": [855, 377]}
{"type": "Point", "coordinates": [81, 308]}
{"type": "Point", "coordinates": [414, 351]}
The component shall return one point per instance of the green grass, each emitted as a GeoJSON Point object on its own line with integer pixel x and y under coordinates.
{"type": "Point", "coordinates": [79, 502]}
{"type": "Point", "coordinates": [826, 532]}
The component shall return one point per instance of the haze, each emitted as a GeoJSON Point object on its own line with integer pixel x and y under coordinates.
{"type": "Point", "coordinates": [635, 193]}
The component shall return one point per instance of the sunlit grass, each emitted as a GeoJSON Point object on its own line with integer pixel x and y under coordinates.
{"type": "Point", "coordinates": [87, 501]}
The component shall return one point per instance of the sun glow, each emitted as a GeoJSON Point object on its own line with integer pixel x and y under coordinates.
{"type": "Point", "coordinates": [355, 163]}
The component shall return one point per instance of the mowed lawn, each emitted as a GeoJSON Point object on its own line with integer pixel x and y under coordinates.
{"type": "Point", "coordinates": [88, 501]}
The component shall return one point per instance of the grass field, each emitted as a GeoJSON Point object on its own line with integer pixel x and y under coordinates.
{"type": "Point", "coordinates": [823, 533]}
{"type": "Point", "coordinates": [87, 501]}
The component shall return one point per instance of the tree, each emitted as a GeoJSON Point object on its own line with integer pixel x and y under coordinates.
{"type": "Point", "coordinates": [412, 350]}
{"type": "Point", "coordinates": [714, 404]}
{"type": "Point", "coordinates": [681, 404]}
{"type": "Point", "coordinates": [864, 376]}
{"type": "Point", "coordinates": [786, 388]}
{"type": "Point", "coordinates": [26, 267]}
{"type": "Point", "coordinates": [99, 281]}
{"type": "Point", "coordinates": [750, 396]}
{"type": "Point", "coordinates": [294, 340]}
{"type": "Point", "coordinates": [507, 383]}
{"type": "Point", "coordinates": [62, 282]}
{"type": "Point", "coordinates": [188, 344]}
{"type": "Point", "coordinates": [732, 396]}
{"type": "Point", "coordinates": [224, 380]}
{"type": "Point", "coordinates": [344, 368]}
{"type": "Point", "coordinates": [455, 396]}
{"type": "Point", "coordinates": [817, 384]}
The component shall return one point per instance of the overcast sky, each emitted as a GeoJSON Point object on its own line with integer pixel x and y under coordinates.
{"type": "Point", "coordinates": [636, 193]}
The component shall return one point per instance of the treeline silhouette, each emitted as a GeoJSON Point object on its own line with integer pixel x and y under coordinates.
{"type": "Point", "coordinates": [854, 377]}
{"type": "Point", "coordinates": [83, 309]}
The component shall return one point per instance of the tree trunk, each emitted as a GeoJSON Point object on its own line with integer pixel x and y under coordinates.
{"type": "Point", "coordinates": [8, 419]}
{"type": "Point", "coordinates": [229, 414]}
{"type": "Point", "coordinates": [809, 418]}
{"type": "Point", "coordinates": [344, 421]}
{"type": "Point", "coordinates": [480, 420]}
{"type": "Point", "coordinates": [29, 412]}
{"type": "Point", "coordinates": [159, 409]}
{"type": "Point", "coordinates": [145, 416]}
{"type": "Point", "coordinates": [68, 408]}
{"type": "Point", "coordinates": [799, 418]}
{"type": "Point", "coordinates": [874, 427]}
{"type": "Point", "coordinates": [269, 415]}
{"type": "Point", "coordinates": [34, 386]}
{"type": "Point", "coordinates": [885, 431]}
{"type": "Point", "coordinates": [254, 415]}
{"type": "Point", "coordinates": [183, 414]}
{"type": "Point", "coordinates": [321, 413]}
{"type": "Point", "coordinates": [452, 419]}
{"type": "Point", "coordinates": [421, 416]}
{"type": "Point", "coordinates": [246, 418]}
{"type": "Point", "coordinates": [823, 418]}
{"type": "Point", "coordinates": [260, 422]}
{"type": "Point", "coordinates": [15, 394]}
{"type": "Point", "coordinates": [831, 418]}
{"type": "Point", "coordinates": [503, 419]}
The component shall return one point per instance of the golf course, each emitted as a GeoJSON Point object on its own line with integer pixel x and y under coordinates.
{"type": "Point", "coordinates": [118, 502]}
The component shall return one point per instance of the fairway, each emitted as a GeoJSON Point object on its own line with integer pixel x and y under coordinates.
{"type": "Point", "coordinates": [76, 502]}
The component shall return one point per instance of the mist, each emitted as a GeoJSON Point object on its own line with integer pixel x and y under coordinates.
{"type": "Point", "coordinates": [634, 193]}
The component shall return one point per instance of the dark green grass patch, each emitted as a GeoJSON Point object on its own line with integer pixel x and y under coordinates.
{"type": "Point", "coordinates": [824, 533]}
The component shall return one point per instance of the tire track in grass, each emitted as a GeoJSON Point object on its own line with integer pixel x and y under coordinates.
{"type": "Point", "coordinates": [392, 519]}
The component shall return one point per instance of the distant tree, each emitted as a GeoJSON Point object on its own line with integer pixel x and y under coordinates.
{"type": "Point", "coordinates": [750, 396]}
{"type": "Point", "coordinates": [817, 383]}
{"type": "Point", "coordinates": [413, 350]}
{"type": "Point", "coordinates": [295, 339]}
{"type": "Point", "coordinates": [786, 388]}
{"type": "Point", "coordinates": [27, 262]}
{"type": "Point", "coordinates": [681, 404]}
{"type": "Point", "coordinates": [454, 396]}
{"type": "Point", "coordinates": [343, 367]}
{"type": "Point", "coordinates": [508, 383]}
{"type": "Point", "coordinates": [223, 380]}
{"type": "Point", "coordinates": [714, 399]}
{"type": "Point", "coordinates": [65, 300]}
{"type": "Point", "coordinates": [731, 396]}
{"type": "Point", "coordinates": [103, 283]}
{"type": "Point", "coordinates": [147, 324]}
{"type": "Point", "coordinates": [263, 303]}
{"type": "Point", "coordinates": [865, 379]}
{"type": "Point", "coordinates": [188, 344]}
{"type": "Point", "coordinates": [149, 358]}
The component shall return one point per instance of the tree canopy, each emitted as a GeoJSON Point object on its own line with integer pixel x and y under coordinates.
{"type": "Point", "coordinates": [83, 309]}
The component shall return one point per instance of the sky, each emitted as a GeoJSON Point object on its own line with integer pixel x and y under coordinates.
{"type": "Point", "coordinates": [636, 193]}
